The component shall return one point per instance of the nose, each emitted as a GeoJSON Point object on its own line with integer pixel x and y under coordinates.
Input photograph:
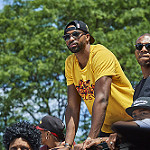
{"type": "Point", "coordinates": [71, 37]}
{"type": "Point", "coordinates": [144, 49]}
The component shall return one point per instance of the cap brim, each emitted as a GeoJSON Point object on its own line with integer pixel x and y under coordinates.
{"type": "Point", "coordinates": [131, 109]}
{"type": "Point", "coordinates": [37, 127]}
{"type": "Point", "coordinates": [41, 127]}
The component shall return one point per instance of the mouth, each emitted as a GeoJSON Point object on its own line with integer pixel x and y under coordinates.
{"type": "Point", "coordinates": [72, 45]}
{"type": "Point", "coordinates": [146, 55]}
{"type": "Point", "coordinates": [145, 58]}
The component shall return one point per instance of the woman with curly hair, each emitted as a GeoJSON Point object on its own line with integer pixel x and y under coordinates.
{"type": "Point", "coordinates": [21, 136]}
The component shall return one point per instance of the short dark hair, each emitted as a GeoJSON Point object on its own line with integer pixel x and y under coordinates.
{"type": "Point", "coordinates": [24, 130]}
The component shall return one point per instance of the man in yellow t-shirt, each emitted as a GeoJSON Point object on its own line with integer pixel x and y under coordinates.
{"type": "Point", "coordinates": [94, 74]}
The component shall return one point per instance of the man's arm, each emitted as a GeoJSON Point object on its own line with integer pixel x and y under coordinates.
{"type": "Point", "coordinates": [123, 123]}
{"type": "Point", "coordinates": [72, 114]}
{"type": "Point", "coordinates": [102, 91]}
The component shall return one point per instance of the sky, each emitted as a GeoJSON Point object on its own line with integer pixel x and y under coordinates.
{"type": "Point", "coordinates": [3, 2]}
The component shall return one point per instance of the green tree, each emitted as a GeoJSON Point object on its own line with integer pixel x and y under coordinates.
{"type": "Point", "coordinates": [116, 24]}
{"type": "Point", "coordinates": [31, 63]}
{"type": "Point", "coordinates": [32, 52]}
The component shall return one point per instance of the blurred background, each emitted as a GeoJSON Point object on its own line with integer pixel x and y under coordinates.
{"type": "Point", "coordinates": [33, 53]}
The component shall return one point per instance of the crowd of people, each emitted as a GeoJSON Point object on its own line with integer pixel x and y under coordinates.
{"type": "Point", "coordinates": [93, 74]}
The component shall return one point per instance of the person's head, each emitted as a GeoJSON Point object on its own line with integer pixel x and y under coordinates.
{"type": "Point", "coordinates": [77, 36]}
{"type": "Point", "coordinates": [142, 51]}
{"type": "Point", "coordinates": [52, 130]}
{"type": "Point", "coordinates": [140, 108]}
{"type": "Point", "coordinates": [21, 136]}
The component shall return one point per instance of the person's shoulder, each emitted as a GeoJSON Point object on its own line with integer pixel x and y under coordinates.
{"type": "Point", "coordinates": [70, 58]}
{"type": "Point", "coordinates": [101, 52]}
{"type": "Point", "coordinates": [98, 48]}
{"type": "Point", "coordinates": [139, 85]}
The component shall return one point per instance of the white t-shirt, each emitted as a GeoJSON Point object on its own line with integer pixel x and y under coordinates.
{"type": "Point", "coordinates": [145, 123]}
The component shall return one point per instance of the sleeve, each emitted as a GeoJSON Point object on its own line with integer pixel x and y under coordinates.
{"type": "Point", "coordinates": [104, 64]}
{"type": "Point", "coordinates": [145, 123]}
{"type": "Point", "coordinates": [68, 71]}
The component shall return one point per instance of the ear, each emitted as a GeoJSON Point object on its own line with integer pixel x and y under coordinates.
{"type": "Point", "coordinates": [88, 37]}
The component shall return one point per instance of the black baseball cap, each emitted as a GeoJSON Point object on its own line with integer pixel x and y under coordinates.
{"type": "Point", "coordinates": [141, 102]}
{"type": "Point", "coordinates": [79, 25]}
{"type": "Point", "coordinates": [52, 124]}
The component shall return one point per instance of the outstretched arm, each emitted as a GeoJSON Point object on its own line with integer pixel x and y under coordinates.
{"type": "Point", "coordinates": [72, 114]}
{"type": "Point", "coordinates": [123, 123]}
{"type": "Point", "coordinates": [102, 91]}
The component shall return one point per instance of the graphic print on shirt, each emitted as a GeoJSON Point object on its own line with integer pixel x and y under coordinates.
{"type": "Point", "coordinates": [85, 90]}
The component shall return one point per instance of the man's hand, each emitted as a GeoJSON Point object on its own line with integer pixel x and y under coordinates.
{"type": "Point", "coordinates": [111, 141]}
{"type": "Point", "coordinates": [93, 142]}
{"type": "Point", "coordinates": [60, 148]}
{"type": "Point", "coordinates": [78, 146]}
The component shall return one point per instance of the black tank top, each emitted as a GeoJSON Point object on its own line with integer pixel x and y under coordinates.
{"type": "Point", "coordinates": [142, 89]}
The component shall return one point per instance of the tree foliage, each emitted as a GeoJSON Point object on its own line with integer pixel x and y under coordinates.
{"type": "Point", "coordinates": [32, 51]}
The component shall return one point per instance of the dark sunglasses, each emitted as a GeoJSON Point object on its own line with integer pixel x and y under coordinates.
{"type": "Point", "coordinates": [75, 35]}
{"type": "Point", "coordinates": [22, 148]}
{"type": "Point", "coordinates": [139, 46]}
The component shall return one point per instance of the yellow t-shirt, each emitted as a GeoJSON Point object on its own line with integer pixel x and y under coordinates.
{"type": "Point", "coordinates": [102, 62]}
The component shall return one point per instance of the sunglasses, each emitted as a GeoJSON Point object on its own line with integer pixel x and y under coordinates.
{"type": "Point", "coordinates": [139, 46]}
{"type": "Point", "coordinates": [22, 148]}
{"type": "Point", "coordinates": [75, 35]}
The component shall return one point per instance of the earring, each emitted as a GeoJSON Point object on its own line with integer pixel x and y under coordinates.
{"type": "Point", "coordinates": [46, 136]}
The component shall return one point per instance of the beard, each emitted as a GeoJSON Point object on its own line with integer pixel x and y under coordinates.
{"type": "Point", "coordinates": [79, 47]}
{"type": "Point", "coordinates": [144, 63]}
{"type": "Point", "coordinates": [74, 49]}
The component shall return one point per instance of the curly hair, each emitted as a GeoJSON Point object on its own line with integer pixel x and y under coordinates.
{"type": "Point", "coordinates": [24, 130]}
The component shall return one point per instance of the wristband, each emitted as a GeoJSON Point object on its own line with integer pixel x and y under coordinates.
{"type": "Point", "coordinates": [68, 145]}
{"type": "Point", "coordinates": [88, 138]}
{"type": "Point", "coordinates": [101, 140]}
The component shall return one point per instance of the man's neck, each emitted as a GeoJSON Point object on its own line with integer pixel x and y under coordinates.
{"type": "Point", "coordinates": [146, 72]}
{"type": "Point", "coordinates": [83, 56]}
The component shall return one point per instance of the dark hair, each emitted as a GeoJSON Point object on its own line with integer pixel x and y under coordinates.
{"type": "Point", "coordinates": [24, 130]}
